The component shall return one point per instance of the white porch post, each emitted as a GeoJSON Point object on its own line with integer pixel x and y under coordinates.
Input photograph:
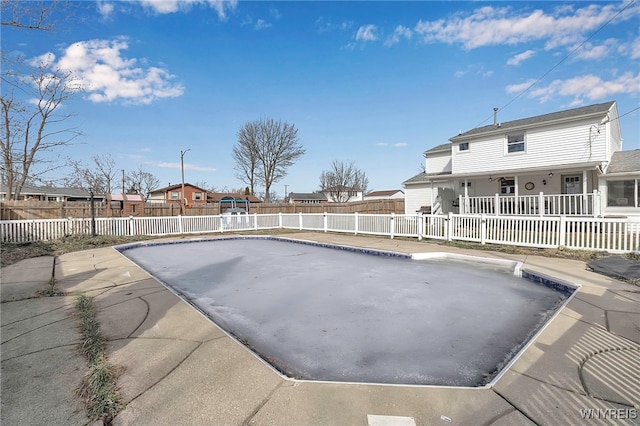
{"type": "Point", "coordinates": [541, 208]}
{"type": "Point", "coordinates": [516, 193]}
{"type": "Point", "coordinates": [585, 201]}
{"type": "Point", "coordinates": [466, 195]}
{"type": "Point", "coordinates": [496, 204]}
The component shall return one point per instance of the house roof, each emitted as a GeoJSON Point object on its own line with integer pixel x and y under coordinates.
{"type": "Point", "coordinates": [384, 193]}
{"type": "Point", "coordinates": [215, 197]}
{"type": "Point", "coordinates": [440, 148]}
{"type": "Point", "coordinates": [424, 177]}
{"type": "Point", "coordinates": [597, 109]}
{"type": "Point", "coordinates": [126, 197]}
{"type": "Point", "coordinates": [307, 196]}
{"type": "Point", "coordinates": [624, 162]}
{"type": "Point", "coordinates": [176, 186]}
{"type": "Point", "coordinates": [49, 190]}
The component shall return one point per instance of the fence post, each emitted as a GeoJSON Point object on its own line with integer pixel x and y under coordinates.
{"type": "Point", "coordinates": [596, 203]}
{"type": "Point", "coordinates": [462, 208]}
{"type": "Point", "coordinates": [255, 221]}
{"type": "Point", "coordinates": [483, 229]}
{"type": "Point", "coordinates": [449, 227]}
{"type": "Point", "coordinates": [496, 204]}
{"type": "Point", "coordinates": [541, 204]}
{"type": "Point", "coordinates": [180, 224]}
{"type": "Point", "coordinates": [355, 218]}
{"type": "Point", "coordinates": [562, 231]}
{"type": "Point", "coordinates": [70, 230]}
{"type": "Point", "coordinates": [420, 225]}
{"type": "Point", "coordinates": [132, 226]}
{"type": "Point", "coordinates": [280, 220]}
{"type": "Point", "coordinates": [300, 221]}
{"type": "Point", "coordinates": [325, 221]}
{"type": "Point", "coordinates": [393, 225]}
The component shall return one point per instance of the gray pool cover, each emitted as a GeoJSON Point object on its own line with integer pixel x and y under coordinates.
{"type": "Point", "coordinates": [325, 314]}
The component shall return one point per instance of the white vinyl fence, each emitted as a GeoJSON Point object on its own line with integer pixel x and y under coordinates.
{"type": "Point", "coordinates": [614, 235]}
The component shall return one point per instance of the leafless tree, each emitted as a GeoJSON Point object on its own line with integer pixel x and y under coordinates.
{"type": "Point", "coordinates": [98, 177]}
{"type": "Point", "coordinates": [31, 126]}
{"type": "Point", "coordinates": [343, 180]}
{"type": "Point", "coordinates": [272, 147]}
{"type": "Point", "coordinates": [31, 98]}
{"type": "Point", "coordinates": [245, 155]}
{"type": "Point", "coordinates": [32, 15]}
{"type": "Point", "coordinates": [142, 182]}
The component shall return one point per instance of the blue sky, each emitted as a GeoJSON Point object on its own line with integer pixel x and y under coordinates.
{"type": "Point", "coordinates": [376, 83]}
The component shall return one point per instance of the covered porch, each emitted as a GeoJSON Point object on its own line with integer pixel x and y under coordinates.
{"type": "Point", "coordinates": [569, 191]}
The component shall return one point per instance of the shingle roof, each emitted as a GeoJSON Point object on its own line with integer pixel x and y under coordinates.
{"type": "Point", "coordinates": [384, 193]}
{"type": "Point", "coordinates": [176, 186]}
{"type": "Point", "coordinates": [624, 161]}
{"type": "Point", "coordinates": [307, 196]}
{"type": "Point", "coordinates": [424, 177]}
{"type": "Point", "coordinates": [602, 108]}
{"type": "Point", "coordinates": [50, 191]}
{"type": "Point", "coordinates": [441, 147]}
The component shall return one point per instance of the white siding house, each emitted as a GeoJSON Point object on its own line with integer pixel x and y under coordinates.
{"type": "Point", "coordinates": [554, 163]}
{"type": "Point", "coordinates": [392, 194]}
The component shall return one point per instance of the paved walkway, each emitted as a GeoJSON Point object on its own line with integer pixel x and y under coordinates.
{"type": "Point", "coordinates": [179, 368]}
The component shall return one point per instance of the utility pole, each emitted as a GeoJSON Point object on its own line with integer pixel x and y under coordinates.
{"type": "Point", "coordinates": [123, 181]}
{"type": "Point", "coordinates": [182, 199]}
{"type": "Point", "coordinates": [285, 193]}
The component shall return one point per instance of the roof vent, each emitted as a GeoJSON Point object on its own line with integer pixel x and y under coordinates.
{"type": "Point", "coordinates": [495, 116]}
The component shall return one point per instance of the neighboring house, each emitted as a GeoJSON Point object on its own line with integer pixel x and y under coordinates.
{"type": "Point", "coordinates": [47, 193]}
{"type": "Point", "coordinates": [343, 195]}
{"type": "Point", "coordinates": [567, 162]}
{"type": "Point", "coordinates": [392, 194]}
{"type": "Point", "coordinates": [172, 194]}
{"type": "Point", "coordinates": [307, 198]}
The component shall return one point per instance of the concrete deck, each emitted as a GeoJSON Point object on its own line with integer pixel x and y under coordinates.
{"type": "Point", "coordinates": [179, 368]}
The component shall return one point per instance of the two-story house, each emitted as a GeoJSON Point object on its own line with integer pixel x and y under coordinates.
{"type": "Point", "coordinates": [567, 162]}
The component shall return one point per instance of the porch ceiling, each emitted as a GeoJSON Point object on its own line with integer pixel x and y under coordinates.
{"type": "Point", "coordinates": [558, 169]}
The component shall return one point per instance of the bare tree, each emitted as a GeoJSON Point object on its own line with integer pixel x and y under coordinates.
{"type": "Point", "coordinates": [32, 15]}
{"type": "Point", "coordinates": [272, 147]}
{"type": "Point", "coordinates": [31, 126]}
{"type": "Point", "coordinates": [245, 155]}
{"type": "Point", "coordinates": [142, 182]}
{"type": "Point", "coordinates": [343, 180]}
{"type": "Point", "coordinates": [99, 177]}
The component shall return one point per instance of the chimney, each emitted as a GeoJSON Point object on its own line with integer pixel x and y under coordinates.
{"type": "Point", "coordinates": [495, 116]}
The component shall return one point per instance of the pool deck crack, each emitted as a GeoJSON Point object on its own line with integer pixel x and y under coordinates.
{"type": "Point", "coordinates": [515, 407]}
{"type": "Point", "coordinates": [262, 403]}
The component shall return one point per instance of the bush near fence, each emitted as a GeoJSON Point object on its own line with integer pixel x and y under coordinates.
{"type": "Point", "coordinates": [19, 210]}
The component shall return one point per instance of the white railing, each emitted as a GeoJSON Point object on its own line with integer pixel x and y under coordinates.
{"type": "Point", "coordinates": [613, 235]}
{"type": "Point", "coordinates": [541, 204]}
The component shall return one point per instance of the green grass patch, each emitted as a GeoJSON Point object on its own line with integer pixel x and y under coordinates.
{"type": "Point", "coordinates": [98, 389]}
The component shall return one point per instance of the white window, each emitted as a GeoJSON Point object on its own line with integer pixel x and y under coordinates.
{"type": "Point", "coordinates": [197, 196]}
{"type": "Point", "coordinates": [175, 195]}
{"type": "Point", "coordinates": [464, 146]}
{"type": "Point", "coordinates": [515, 143]}
{"type": "Point", "coordinates": [507, 186]}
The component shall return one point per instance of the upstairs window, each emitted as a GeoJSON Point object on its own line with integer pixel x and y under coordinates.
{"type": "Point", "coordinates": [175, 195]}
{"type": "Point", "coordinates": [197, 196]}
{"type": "Point", "coordinates": [515, 143]}
{"type": "Point", "coordinates": [463, 146]}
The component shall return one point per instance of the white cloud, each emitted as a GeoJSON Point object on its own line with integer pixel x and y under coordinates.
{"type": "Point", "coordinates": [45, 60]}
{"type": "Point", "coordinates": [171, 6]}
{"type": "Point", "coordinates": [105, 8]}
{"type": "Point", "coordinates": [106, 76]}
{"type": "Point", "coordinates": [367, 33]}
{"type": "Point", "coordinates": [488, 25]}
{"type": "Point", "coordinates": [590, 52]}
{"type": "Point", "coordinates": [517, 59]}
{"type": "Point", "coordinates": [382, 144]}
{"type": "Point", "coordinates": [588, 86]}
{"type": "Point", "coordinates": [187, 166]}
{"type": "Point", "coordinates": [631, 49]}
{"type": "Point", "coordinates": [400, 144]}
{"type": "Point", "coordinates": [261, 24]}
{"type": "Point", "coordinates": [400, 32]}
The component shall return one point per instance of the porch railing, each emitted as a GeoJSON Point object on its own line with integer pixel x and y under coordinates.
{"type": "Point", "coordinates": [539, 205]}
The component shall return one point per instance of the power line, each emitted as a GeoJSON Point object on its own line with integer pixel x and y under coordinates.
{"type": "Point", "coordinates": [560, 62]}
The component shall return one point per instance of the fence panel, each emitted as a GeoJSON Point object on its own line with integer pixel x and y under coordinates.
{"type": "Point", "coordinates": [523, 231]}
{"type": "Point", "coordinates": [613, 235]}
{"type": "Point", "coordinates": [406, 225]}
{"type": "Point", "coordinates": [466, 228]}
{"type": "Point", "coordinates": [341, 222]}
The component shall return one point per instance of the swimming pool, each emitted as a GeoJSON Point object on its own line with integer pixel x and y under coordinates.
{"type": "Point", "coordinates": [335, 313]}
